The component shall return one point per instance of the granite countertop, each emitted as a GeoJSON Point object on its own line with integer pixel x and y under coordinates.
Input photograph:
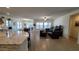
{"type": "Point", "coordinates": [10, 37]}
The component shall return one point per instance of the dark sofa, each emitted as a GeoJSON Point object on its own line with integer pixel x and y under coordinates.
{"type": "Point", "coordinates": [56, 32]}
{"type": "Point", "coordinates": [43, 33]}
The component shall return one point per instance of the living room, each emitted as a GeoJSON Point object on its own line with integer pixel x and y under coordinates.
{"type": "Point", "coordinates": [46, 28]}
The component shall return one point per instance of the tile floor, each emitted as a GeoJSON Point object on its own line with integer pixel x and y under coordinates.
{"type": "Point", "coordinates": [49, 44]}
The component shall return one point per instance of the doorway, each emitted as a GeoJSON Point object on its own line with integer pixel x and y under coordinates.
{"type": "Point", "coordinates": [74, 26]}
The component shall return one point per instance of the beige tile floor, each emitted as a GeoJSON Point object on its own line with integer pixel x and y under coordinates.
{"type": "Point", "coordinates": [49, 44]}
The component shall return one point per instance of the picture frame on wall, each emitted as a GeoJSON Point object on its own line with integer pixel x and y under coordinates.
{"type": "Point", "coordinates": [77, 23]}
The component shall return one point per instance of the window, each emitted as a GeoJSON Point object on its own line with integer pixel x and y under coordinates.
{"type": "Point", "coordinates": [37, 25]}
{"type": "Point", "coordinates": [28, 25]}
{"type": "Point", "coordinates": [8, 23]}
{"type": "Point", "coordinates": [43, 25]}
{"type": "Point", "coordinates": [19, 25]}
{"type": "Point", "coordinates": [47, 25]}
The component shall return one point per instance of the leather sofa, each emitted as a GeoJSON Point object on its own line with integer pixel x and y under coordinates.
{"type": "Point", "coordinates": [43, 33]}
{"type": "Point", "coordinates": [56, 33]}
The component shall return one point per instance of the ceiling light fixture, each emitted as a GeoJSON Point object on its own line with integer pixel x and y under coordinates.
{"type": "Point", "coordinates": [45, 18]}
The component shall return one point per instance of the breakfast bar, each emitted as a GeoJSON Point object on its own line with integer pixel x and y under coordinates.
{"type": "Point", "coordinates": [13, 41]}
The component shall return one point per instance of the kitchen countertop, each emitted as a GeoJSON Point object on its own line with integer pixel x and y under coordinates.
{"type": "Point", "coordinates": [9, 37]}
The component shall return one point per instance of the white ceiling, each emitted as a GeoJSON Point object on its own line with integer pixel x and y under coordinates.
{"type": "Point", "coordinates": [37, 12]}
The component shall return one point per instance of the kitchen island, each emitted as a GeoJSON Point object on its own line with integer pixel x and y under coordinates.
{"type": "Point", "coordinates": [13, 41]}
